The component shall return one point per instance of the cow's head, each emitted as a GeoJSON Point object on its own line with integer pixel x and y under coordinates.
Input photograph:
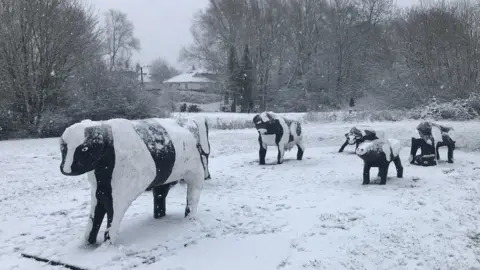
{"type": "Point", "coordinates": [353, 135]}
{"type": "Point", "coordinates": [82, 146]}
{"type": "Point", "coordinates": [266, 123]}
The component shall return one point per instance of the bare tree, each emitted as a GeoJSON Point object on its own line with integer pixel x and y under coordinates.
{"type": "Point", "coordinates": [161, 70]}
{"type": "Point", "coordinates": [42, 42]}
{"type": "Point", "coordinates": [120, 41]}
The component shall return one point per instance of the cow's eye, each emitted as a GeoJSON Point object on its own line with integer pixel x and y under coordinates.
{"type": "Point", "coordinates": [84, 149]}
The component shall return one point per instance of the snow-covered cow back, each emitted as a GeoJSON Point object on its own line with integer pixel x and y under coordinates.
{"type": "Point", "coordinates": [123, 158]}
{"type": "Point", "coordinates": [274, 130]}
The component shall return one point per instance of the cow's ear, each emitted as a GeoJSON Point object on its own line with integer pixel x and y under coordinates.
{"type": "Point", "coordinates": [346, 135]}
{"type": "Point", "coordinates": [270, 116]}
{"type": "Point", "coordinates": [95, 134]}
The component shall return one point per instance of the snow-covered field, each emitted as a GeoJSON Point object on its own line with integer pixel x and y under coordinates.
{"type": "Point", "coordinates": [310, 214]}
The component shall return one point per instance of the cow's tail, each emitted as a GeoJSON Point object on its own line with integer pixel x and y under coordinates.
{"type": "Point", "coordinates": [202, 125]}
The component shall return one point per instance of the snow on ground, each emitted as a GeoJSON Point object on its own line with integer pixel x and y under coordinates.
{"type": "Point", "coordinates": [310, 214]}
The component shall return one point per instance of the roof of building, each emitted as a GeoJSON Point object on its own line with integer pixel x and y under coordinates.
{"type": "Point", "coordinates": [196, 76]}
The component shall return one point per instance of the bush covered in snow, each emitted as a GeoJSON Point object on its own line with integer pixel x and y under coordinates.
{"type": "Point", "coordinates": [458, 110]}
{"type": "Point", "coordinates": [195, 97]}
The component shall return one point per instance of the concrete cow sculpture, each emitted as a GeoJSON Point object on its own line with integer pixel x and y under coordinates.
{"type": "Point", "coordinates": [356, 137]}
{"type": "Point", "coordinates": [277, 131]}
{"type": "Point", "coordinates": [429, 151]}
{"type": "Point", "coordinates": [123, 158]}
{"type": "Point", "coordinates": [199, 127]}
{"type": "Point", "coordinates": [379, 153]}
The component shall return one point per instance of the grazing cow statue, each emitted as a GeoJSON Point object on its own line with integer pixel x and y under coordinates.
{"type": "Point", "coordinates": [199, 127]}
{"type": "Point", "coordinates": [379, 153]}
{"type": "Point", "coordinates": [277, 131]}
{"type": "Point", "coordinates": [426, 142]}
{"type": "Point", "coordinates": [355, 136]}
{"type": "Point", "coordinates": [123, 158]}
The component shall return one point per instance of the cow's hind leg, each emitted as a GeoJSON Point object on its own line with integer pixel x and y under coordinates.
{"type": "Point", "coordinates": [195, 183]}
{"type": "Point", "coordinates": [398, 166]}
{"type": "Point", "coordinates": [281, 153]}
{"type": "Point", "coordinates": [300, 151]}
{"type": "Point", "coordinates": [159, 200]}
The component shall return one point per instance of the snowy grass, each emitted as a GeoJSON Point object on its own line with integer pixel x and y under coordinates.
{"type": "Point", "coordinates": [310, 214]}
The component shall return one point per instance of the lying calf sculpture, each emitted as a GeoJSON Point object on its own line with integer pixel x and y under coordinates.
{"type": "Point", "coordinates": [379, 153]}
{"type": "Point", "coordinates": [426, 142]}
{"type": "Point", "coordinates": [277, 131]}
{"type": "Point", "coordinates": [123, 158]}
{"type": "Point", "coordinates": [355, 136]}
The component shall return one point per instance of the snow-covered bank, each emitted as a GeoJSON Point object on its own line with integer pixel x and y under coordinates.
{"type": "Point", "coordinates": [312, 214]}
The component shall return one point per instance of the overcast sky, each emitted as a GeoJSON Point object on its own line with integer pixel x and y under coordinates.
{"type": "Point", "coordinates": [163, 26]}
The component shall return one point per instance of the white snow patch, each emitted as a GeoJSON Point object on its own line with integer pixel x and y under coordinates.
{"type": "Point", "coordinates": [307, 214]}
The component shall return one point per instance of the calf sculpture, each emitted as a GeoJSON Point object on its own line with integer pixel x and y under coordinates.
{"type": "Point", "coordinates": [277, 131]}
{"type": "Point", "coordinates": [355, 136]}
{"type": "Point", "coordinates": [123, 158]}
{"type": "Point", "coordinates": [199, 127]}
{"type": "Point", "coordinates": [379, 153]}
{"type": "Point", "coordinates": [429, 151]}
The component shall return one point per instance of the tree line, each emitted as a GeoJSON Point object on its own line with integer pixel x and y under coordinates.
{"type": "Point", "coordinates": [321, 54]}
{"type": "Point", "coordinates": [59, 64]}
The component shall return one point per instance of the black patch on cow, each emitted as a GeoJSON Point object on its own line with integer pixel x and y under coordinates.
{"type": "Point", "coordinates": [160, 146]}
{"type": "Point", "coordinates": [299, 129]}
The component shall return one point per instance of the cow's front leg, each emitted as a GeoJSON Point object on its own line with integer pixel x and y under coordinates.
{"type": "Point", "coordinates": [262, 152]}
{"type": "Point", "coordinates": [383, 174]}
{"type": "Point", "coordinates": [119, 207]}
{"type": "Point", "coordinates": [366, 174]}
{"type": "Point", "coordinates": [281, 153]}
{"type": "Point", "coordinates": [343, 146]}
{"type": "Point", "coordinates": [194, 190]}
{"type": "Point", "coordinates": [97, 213]}
{"type": "Point", "coordinates": [159, 200]}
{"type": "Point", "coordinates": [300, 151]}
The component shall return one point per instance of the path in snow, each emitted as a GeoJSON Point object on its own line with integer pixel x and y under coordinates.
{"type": "Point", "coordinates": [311, 214]}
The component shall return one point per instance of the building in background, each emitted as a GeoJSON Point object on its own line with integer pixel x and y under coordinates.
{"type": "Point", "coordinates": [195, 80]}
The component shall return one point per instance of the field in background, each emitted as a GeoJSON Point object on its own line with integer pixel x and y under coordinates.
{"type": "Point", "coordinates": [326, 128]}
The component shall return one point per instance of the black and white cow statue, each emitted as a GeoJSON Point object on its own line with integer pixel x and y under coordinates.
{"type": "Point", "coordinates": [356, 136]}
{"type": "Point", "coordinates": [274, 130]}
{"type": "Point", "coordinates": [123, 158]}
{"type": "Point", "coordinates": [379, 153]}
{"type": "Point", "coordinates": [426, 143]}
{"type": "Point", "coordinates": [199, 127]}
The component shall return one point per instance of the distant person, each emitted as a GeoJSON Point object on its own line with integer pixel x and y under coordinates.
{"type": "Point", "coordinates": [352, 104]}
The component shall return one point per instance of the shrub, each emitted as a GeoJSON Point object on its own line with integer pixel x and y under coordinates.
{"type": "Point", "coordinates": [193, 108]}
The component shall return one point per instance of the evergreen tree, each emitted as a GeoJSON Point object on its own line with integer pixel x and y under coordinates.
{"type": "Point", "coordinates": [233, 83]}
{"type": "Point", "coordinates": [246, 80]}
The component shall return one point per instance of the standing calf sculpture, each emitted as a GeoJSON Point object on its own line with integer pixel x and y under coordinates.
{"type": "Point", "coordinates": [277, 131]}
{"type": "Point", "coordinates": [199, 128]}
{"type": "Point", "coordinates": [123, 158]}
{"type": "Point", "coordinates": [379, 153]}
